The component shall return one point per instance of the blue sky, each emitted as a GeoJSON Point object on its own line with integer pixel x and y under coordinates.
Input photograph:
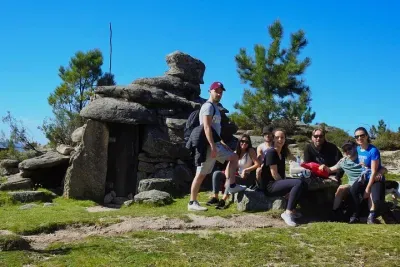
{"type": "Point", "coordinates": [353, 45]}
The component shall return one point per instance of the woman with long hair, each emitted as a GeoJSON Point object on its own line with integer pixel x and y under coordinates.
{"type": "Point", "coordinates": [275, 183]}
{"type": "Point", "coordinates": [370, 185]}
{"type": "Point", "coordinates": [248, 162]}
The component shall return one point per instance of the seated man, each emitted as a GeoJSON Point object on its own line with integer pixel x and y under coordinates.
{"type": "Point", "coordinates": [263, 147]}
{"type": "Point", "coordinates": [353, 169]}
{"type": "Point", "coordinates": [323, 152]}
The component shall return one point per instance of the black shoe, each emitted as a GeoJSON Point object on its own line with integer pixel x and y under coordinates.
{"type": "Point", "coordinates": [354, 219]}
{"type": "Point", "coordinates": [212, 201]}
{"type": "Point", "coordinates": [335, 216]}
{"type": "Point", "coordinates": [220, 205]}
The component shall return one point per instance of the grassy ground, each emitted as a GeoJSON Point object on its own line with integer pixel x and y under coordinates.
{"type": "Point", "coordinates": [332, 244]}
{"type": "Point", "coordinates": [319, 244]}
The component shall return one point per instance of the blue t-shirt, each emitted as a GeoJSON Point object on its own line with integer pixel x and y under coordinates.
{"type": "Point", "coordinates": [366, 156]}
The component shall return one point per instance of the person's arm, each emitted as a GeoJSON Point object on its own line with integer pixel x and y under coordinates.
{"type": "Point", "coordinates": [332, 169]}
{"type": "Point", "coordinates": [259, 154]}
{"type": "Point", "coordinates": [375, 158]}
{"type": "Point", "coordinates": [256, 163]}
{"type": "Point", "coordinates": [274, 172]}
{"type": "Point", "coordinates": [207, 121]}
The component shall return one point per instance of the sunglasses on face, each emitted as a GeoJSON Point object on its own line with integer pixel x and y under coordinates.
{"type": "Point", "coordinates": [318, 136]}
{"type": "Point", "coordinates": [359, 136]}
{"type": "Point", "coordinates": [244, 142]}
{"type": "Point", "coordinates": [347, 149]}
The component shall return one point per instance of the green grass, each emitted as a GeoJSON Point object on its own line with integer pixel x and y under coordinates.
{"type": "Point", "coordinates": [318, 244]}
{"type": "Point", "coordinates": [73, 212]}
{"type": "Point", "coordinates": [392, 177]}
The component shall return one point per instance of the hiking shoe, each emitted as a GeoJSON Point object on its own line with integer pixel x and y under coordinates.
{"type": "Point", "coordinates": [371, 219]}
{"type": "Point", "coordinates": [288, 218]}
{"type": "Point", "coordinates": [220, 205]}
{"type": "Point", "coordinates": [236, 189]}
{"type": "Point", "coordinates": [354, 219]}
{"type": "Point", "coordinates": [212, 201]}
{"type": "Point", "coordinates": [195, 206]}
{"type": "Point", "coordinates": [335, 216]}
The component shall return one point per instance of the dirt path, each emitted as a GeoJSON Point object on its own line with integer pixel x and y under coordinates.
{"type": "Point", "coordinates": [193, 223]}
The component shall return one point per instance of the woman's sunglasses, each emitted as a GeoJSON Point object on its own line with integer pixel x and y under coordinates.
{"type": "Point", "coordinates": [359, 136]}
{"type": "Point", "coordinates": [244, 142]}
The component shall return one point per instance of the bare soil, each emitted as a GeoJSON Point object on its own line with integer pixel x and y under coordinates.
{"type": "Point", "coordinates": [192, 223]}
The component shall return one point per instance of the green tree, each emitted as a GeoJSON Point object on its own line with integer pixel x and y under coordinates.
{"type": "Point", "coordinates": [379, 130]}
{"type": "Point", "coordinates": [274, 74]}
{"type": "Point", "coordinates": [78, 81]}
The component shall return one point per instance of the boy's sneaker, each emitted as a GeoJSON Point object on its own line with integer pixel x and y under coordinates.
{"type": "Point", "coordinates": [195, 206]}
{"type": "Point", "coordinates": [288, 218]}
{"type": "Point", "coordinates": [220, 205]}
{"type": "Point", "coordinates": [212, 201]}
{"type": "Point", "coordinates": [371, 219]}
{"type": "Point", "coordinates": [236, 189]}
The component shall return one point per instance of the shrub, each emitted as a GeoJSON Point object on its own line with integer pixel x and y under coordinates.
{"type": "Point", "coordinates": [338, 137]}
{"type": "Point", "coordinates": [300, 138]}
{"type": "Point", "coordinates": [387, 141]}
{"type": "Point", "coordinates": [288, 125]}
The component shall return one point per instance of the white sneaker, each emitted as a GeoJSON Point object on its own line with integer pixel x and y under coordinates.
{"type": "Point", "coordinates": [196, 207]}
{"type": "Point", "coordinates": [288, 219]}
{"type": "Point", "coordinates": [297, 215]}
{"type": "Point", "coordinates": [236, 189]}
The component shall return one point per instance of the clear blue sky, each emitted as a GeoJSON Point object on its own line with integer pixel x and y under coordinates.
{"type": "Point", "coordinates": [354, 47]}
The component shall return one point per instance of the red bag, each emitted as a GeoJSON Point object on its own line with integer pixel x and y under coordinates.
{"type": "Point", "coordinates": [314, 168]}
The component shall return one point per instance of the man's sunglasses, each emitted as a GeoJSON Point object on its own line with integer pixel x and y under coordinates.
{"type": "Point", "coordinates": [318, 136]}
{"type": "Point", "coordinates": [348, 149]}
{"type": "Point", "coordinates": [244, 141]}
{"type": "Point", "coordinates": [359, 136]}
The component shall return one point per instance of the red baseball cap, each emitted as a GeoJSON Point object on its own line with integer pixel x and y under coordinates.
{"type": "Point", "coordinates": [216, 85]}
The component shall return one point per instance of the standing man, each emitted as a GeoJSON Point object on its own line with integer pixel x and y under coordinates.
{"type": "Point", "coordinates": [262, 148]}
{"type": "Point", "coordinates": [323, 152]}
{"type": "Point", "coordinates": [210, 118]}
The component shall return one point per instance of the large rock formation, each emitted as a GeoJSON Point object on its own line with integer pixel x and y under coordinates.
{"type": "Point", "coordinates": [86, 176]}
{"type": "Point", "coordinates": [142, 126]}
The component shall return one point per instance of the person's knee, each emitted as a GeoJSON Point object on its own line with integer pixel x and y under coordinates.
{"type": "Point", "coordinates": [234, 158]}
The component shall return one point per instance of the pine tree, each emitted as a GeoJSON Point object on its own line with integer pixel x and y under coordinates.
{"type": "Point", "coordinates": [274, 75]}
{"type": "Point", "coordinates": [78, 81]}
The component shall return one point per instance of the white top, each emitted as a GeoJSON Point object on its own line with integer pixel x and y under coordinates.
{"type": "Point", "coordinates": [244, 162]}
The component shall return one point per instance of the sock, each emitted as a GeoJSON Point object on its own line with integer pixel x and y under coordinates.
{"type": "Point", "coordinates": [372, 213]}
{"type": "Point", "coordinates": [232, 185]}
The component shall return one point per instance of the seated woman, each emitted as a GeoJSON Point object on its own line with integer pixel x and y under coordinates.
{"type": "Point", "coordinates": [274, 182]}
{"type": "Point", "coordinates": [367, 187]}
{"type": "Point", "coordinates": [247, 162]}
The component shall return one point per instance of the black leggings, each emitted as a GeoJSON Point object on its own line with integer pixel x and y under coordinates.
{"type": "Point", "coordinates": [377, 193]}
{"type": "Point", "coordinates": [295, 187]}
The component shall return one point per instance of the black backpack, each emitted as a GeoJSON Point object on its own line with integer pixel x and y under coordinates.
{"type": "Point", "coordinates": [193, 121]}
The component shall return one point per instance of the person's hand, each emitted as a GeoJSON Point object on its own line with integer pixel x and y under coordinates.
{"type": "Point", "coordinates": [367, 193]}
{"type": "Point", "coordinates": [378, 177]}
{"type": "Point", "coordinates": [244, 173]}
{"type": "Point", "coordinates": [322, 167]}
{"type": "Point", "coordinates": [213, 152]}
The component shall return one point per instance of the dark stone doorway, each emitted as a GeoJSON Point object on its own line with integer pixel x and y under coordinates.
{"type": "Point", "coordinates": [123, 150]}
